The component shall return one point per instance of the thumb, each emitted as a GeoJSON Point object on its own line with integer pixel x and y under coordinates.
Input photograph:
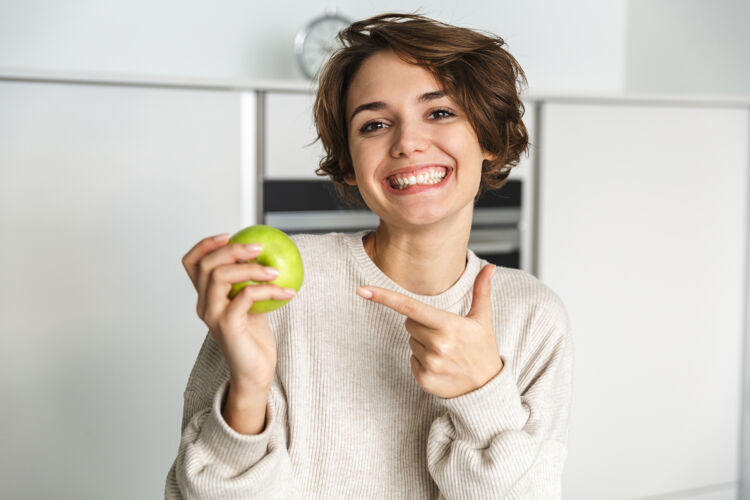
{"type": "Point", "coordinates": [480, 302]}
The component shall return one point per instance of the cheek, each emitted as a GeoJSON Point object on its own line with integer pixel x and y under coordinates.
{"type": "Point", "coordinates": [460, 142]}
{"type": "Point", "coordinates": [367, 149]}
{"type": "Point", "coordinates": [465, 148]}
{"type": "Point", "coordinates": [365, 158]}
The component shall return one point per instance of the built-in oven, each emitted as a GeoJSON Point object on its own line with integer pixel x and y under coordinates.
{"type": "Point", "coordinates": [312, 206]}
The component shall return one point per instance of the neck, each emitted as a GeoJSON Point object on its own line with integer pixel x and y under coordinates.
{"type": "Point", "coordinates": [425, 261]}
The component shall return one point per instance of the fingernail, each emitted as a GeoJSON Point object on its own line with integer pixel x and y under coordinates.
{"type": "Point", "coordinates": [221, 237]}
{"type": "Point", "coordinates": [289, 291]}
{"type": "Point", "coordinates": [271, 271]}
{"type": "Point", "coordinates": [253, 247]}
{"type": "Point", "coordinates": [365, 293]}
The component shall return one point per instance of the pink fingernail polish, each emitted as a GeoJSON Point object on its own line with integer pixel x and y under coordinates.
{"type": "Point", "coordinates": [271, 271]}
{"type": "Point", "coordinates": [365, 293]}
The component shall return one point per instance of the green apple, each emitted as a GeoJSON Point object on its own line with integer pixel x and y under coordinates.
{"type": "Point", "coordinates": [279, 252]}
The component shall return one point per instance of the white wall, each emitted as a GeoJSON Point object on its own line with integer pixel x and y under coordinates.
{"type": "Point", "coordinates": [688, 46]}
{"type": "Point", "coordinates": [667, 46]}
{"type": "Point", "coordinates": [576, 44]}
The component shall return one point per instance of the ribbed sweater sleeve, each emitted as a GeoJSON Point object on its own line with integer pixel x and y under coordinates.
{"type": "Point", "coordinates": [215, 461]}
{"type": "Point", "coordinates": [501, 442]}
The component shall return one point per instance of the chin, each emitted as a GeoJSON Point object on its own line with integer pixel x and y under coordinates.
{"type": "Point", "coordinates": [421, 213]}
{"type": "Point", "coordinates": [420, 218]}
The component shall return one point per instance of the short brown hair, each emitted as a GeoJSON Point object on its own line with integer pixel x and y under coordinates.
{"type": "Point", "coordinates": [473, 68]}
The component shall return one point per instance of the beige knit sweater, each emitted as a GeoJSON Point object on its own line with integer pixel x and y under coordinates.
{"type": "Point", "coordinates": [346, 418]}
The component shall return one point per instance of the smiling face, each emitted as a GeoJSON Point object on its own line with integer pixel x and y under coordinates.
{"type": "Point", "coordinates": [417, 160]}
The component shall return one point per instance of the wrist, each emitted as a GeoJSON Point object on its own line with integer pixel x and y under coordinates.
{"type": "Point", "coordinates": [244, 395]}
{"type": "Point", "coordinates": [492, 372]}
{"type": "Point", "coordinates": [245, 412]}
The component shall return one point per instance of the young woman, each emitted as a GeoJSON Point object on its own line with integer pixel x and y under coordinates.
{"type": "Point", "coordinates": [406, 367]}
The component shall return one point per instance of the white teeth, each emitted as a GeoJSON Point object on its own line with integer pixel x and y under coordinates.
{"type": "Point", "coordinates": [429, 177]}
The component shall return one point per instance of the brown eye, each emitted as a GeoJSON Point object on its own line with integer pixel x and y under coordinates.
{"type": "Point", "coordinates": [444, 112]}
{"type": "Point", "coordinates": [366, 127]}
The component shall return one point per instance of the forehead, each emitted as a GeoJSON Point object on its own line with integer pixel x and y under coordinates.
{"type": "Point", "coordinates": [384, 77]}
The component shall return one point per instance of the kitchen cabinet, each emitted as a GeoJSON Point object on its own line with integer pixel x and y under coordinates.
{"type": "Point", "coordinates": [642, 232]}
{"type": "Point", "coordinates": [103, 189]}
{"type": "Point", "coordinates": [289, 133]}
{"type": "Point", "coordinates": [636, 212]}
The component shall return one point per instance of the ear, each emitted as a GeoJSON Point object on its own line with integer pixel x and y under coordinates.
{"type": "Point", "coordinates": [350, 179]}
{"type": "Point", "coordinates": [489, 156]}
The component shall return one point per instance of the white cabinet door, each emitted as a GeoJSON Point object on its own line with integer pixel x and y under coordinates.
{"type": "Point", "coordinates": [642, 233]}
{"type": "Point", "coordinates": [289, 133]}
{"type": "Point", "coordinates": [103, 189]}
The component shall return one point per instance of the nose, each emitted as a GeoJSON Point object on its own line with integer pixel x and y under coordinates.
{"type": "Point", "coordinates": [409, 138]}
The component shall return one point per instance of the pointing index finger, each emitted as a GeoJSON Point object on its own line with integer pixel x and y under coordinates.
{"type": "Point", "coordinates": [409, 307]}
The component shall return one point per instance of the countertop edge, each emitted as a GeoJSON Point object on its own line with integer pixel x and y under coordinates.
{"type": "Point", "coordinates": [306, 86]}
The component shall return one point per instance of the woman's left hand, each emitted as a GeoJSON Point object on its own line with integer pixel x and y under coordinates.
{"type": "Point", "coordinates": [452, 355]}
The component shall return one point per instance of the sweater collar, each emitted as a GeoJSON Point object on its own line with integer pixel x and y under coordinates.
{"type": "Point", "coordinates": [374, 276]}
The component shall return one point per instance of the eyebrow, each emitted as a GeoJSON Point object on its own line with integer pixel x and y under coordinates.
{"type": "Point", "coordinates": [376, 105]}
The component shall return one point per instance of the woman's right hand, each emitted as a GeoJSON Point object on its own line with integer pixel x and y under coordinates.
{"type": "Point", "coordinates": [245, 339]}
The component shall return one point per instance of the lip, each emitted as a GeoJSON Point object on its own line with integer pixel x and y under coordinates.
{"type": "Point", "coordinates": [416, 188]}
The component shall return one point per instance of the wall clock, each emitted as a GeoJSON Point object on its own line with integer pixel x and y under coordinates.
{"type": "Point", "coordinates": [316, 41]}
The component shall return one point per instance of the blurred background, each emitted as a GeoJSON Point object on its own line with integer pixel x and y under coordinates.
{"type": "Point", "coordinates": [131, 130]}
